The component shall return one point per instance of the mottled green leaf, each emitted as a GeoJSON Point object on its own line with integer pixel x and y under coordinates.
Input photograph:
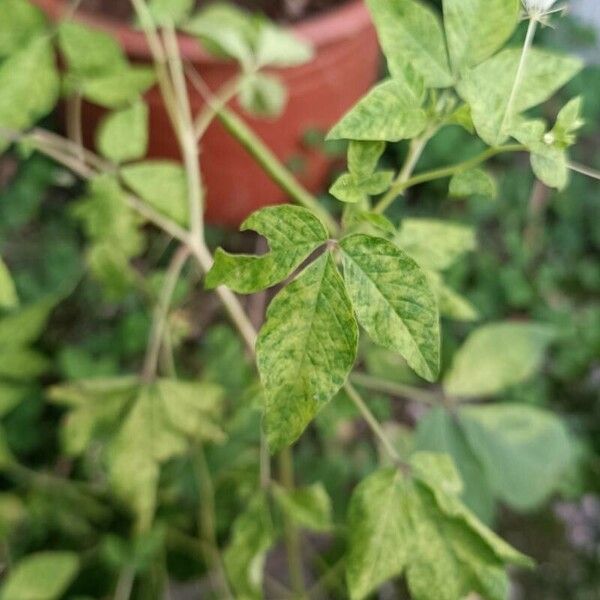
{"type": "Point", "coordinates": [497, 356]}
{"type": "Point", "coordinates": [434, 244]}
{"type": "Point", "coordinates": [252, 536]}
{"type": "Point", "coordinates": [393, 300]}
{"type": "Point", "coordinates": [293, 234]}
{"type": "Point", "coordinates": [305, 350]}
{"type": "Point", "coordinates": [309, 507]}
{"type": "Point", "coordinates": [416, 526]}
{"type": "Point", "coordinates": [363, 157]}
{"type": "Point", "coordinates": [164, 417]}
{"type": "Point", "coordinates": [388, 112]}
{"type": "Point", "coordinates": [475, 182]}
{"type": "Point", "coordinates": [487, 88]}
{"type": "Point", "coordinates": [411, 32]}
{"type": "Point", "coordinates": [262, 95]}
{"type": "Point", "coordinates": [476, 29]}
{"type": "Point", "coordinates": [21, 22]}
{"type": "Point", "coordinates": [120, 88]}
{"type": "Point", "coordinates": [551, 167]}
{"type": "Point", "coordinates": [123, 134]}
{"type": "Point", "coordinates": [440, 431]}
{"type": "Point", "coordinates": [29, 86]}
{"type": "Point", "coordinates": [162, 184]}
{"type": "Point", "coordinates": [524, 450]}
{"type": "Point", "coordinates": [8, 292]}
{"type": "Point", "coordinates": [349, 188]}
{"type": "Point", "coordinates": [41, 576]}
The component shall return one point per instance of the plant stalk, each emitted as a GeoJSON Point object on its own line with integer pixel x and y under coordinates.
{"type": "Point", "coordinates": [393, 388]}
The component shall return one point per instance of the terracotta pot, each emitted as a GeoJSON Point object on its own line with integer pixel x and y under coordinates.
{"type": "Point", "coordinates": [344, 68]}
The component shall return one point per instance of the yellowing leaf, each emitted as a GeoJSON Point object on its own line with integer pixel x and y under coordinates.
{"type": "Point", "coordinates": [305, 349]}
{"type": "Point", "coordinates": [393, 300]}
{"type": "Point", "coordinates": [293, 234]}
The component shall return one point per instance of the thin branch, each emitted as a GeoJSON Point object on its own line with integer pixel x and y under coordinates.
{"type": "Point", "coordinates": [583, 170]}
{"type": "Point", "coordinates": [393, 388]}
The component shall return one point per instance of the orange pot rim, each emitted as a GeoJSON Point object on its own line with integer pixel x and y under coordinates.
{"type": "Point", "coordinates": [321, 30]}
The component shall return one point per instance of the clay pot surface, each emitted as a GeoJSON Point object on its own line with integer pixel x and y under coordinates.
{"type": "Point", "coordinates": [320, 92]}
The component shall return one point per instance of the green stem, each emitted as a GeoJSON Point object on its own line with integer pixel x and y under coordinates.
{"type": "Point", "coordinates": [291, 535]}
{"type": "Point", "coordinates": [207, 521]}
{"type": "Point", "coordinates": [263, 155]}
{"type": "Point", "coordinates": [227, 92]}
{"type": "Point", "coordinates": [443, 172]}
{"type": "Point", "coordinates": [125, 584]}
{"type": "Point", "coordinates": [373, 423]}
{"type": "Point", "coordinates": [161, 312]}
{"type": "Point", "coordinates": [395, 389]}
{"type": "Point", "coordinates": [583, 170]}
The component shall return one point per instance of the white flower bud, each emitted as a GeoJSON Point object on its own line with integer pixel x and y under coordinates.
{"type": "Point", "coordinates": [538, 7]}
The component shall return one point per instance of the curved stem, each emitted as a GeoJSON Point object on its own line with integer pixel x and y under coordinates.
{"type": "Point", "coordinates": [443, 172]}
{"type": "Point", "coordinates": [161, 312]}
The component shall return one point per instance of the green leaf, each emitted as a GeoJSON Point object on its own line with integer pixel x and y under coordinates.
{"type": "Point", "coordinates": [475, 182]}
{"type": "Point", "coordinates": [8, 292]}
{"type": "Point", "coordinates": [388, 112]}
{"type": "Point", "coordinates": [411, 32]}
{"type": "Point", "coordinates": [163, 185]}
{"type": "Point", "coordinates": [225, 31]}
{"type": "Point", "coordinates": [497, 356]}
{"type": "Point", "coordinates": [363, 157]}
{"type": "Point", "coordinates": [452, 305]}
{"type": "Point", "coordinates": [525, 450]}
{"type": "Point", "coordinates": [305, 350]}
{"type": "Point", "coordinates": [349, 188]}
{"type": "Point", "coordinates": [29, 86]}
{"type": "Point", "coordinates": [309, 507]}
{"type": "Point", "coordinates": [440, 431]}
{"type": "Point", "coordinates": [252, 536]}
{"type": "Point", "coordinates": [487, 88]}
{"type": "Point", "coordinates": [276, 47]}
{"type": "Point", "coordinates": [262, 95]}
{"type": "Point", "coordinates": [551, 167]}
{"type": "Point", "coordinates": [11, 395]}
{"type": "Point", "coordinates": [41, 576]}
{"type": "Point", "coordinates": [568, 123]}
{"type": "Point", "coordinates": [417, 526]}
{"type": "Point", "coordinates": [89, 52]}
{"type": "Point", "coordinates": [393, 301]}
{"type": "Point", "coordinates": [435, 245]}
{"type": "Point", "coordinates": [106, 218]}
{"type": "Point", "coordinates": [476, 29]}
{"type": "Point", "coordinates": [120, 88]}
{"type": "Point", "coordinates": [170, 12]}
{"type": "Point", "coordinates": [293, 234]}
{"type": "Point", "coordinates": [22, 364]}
{"type": "Point", "coordinates": [21, 22]}
{"type": "Point", "coordinates": [123, 135]}
{"type": "Point", "coordinates": [24, 325]}
{"type": "Point", "coordinates": [164, 417]}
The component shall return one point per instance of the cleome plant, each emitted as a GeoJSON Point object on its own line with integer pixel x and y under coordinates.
{"type": "Point", "coordinates": [342, 285]}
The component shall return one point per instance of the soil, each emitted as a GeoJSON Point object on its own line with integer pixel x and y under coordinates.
{"type": "Point", "coordinates": [283, 11]}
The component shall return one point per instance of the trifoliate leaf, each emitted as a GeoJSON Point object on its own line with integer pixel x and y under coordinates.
{"type": "Point", "coordinates": [476, 29]}
{"type": "Point", "coordinates": [293, 234]}
{"type": "Point", "coordinates": [487, 88]}
{"type": "Point", "coordinates": [262, 95]}
{"type": "Point", "coordinates": [440, 431]}
{"type": "Point", "coordinates": [163, 185]}
{"type": "Point", "coordinates": [118, 89]}
{"type": "Point", "coordinates": [305, 350]}
{"type": "Point", "coordinates": [21, 22]}
{"type": "Point", "coordinates": [29, 86]}
{"type": "Point", "coordinates": [275, 47]}
{"type": "Point", "coordinates": [252, 536]}
{"type": "Point", "coordinates": [524, 450]}
{"type": "Point", "coordinates": [497, 356]}
{"type": "Point", "coordinates": [411, 32]}
{"type": "Point", "coordinates": [416, 526]}
{"type": "Point", "coordinates": [8, 292]}
{"type": "Point", "coordinates": [388, 112]}
{"type": "Point", "coordinates": [475, 182]}
{"type": "Point", "coordinates": [41, 576]}
{"type": "Point", "coordinates": [435, 245]}
{"type": "Point", "coordinates": [123, 134]}
{"type": "Point", "coordinates": [309, 507]}
{"type": "Point", "coordinates": [393, 300]}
